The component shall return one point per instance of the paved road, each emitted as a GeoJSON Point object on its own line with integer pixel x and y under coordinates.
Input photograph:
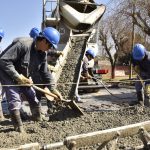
{"type": "Point", "coordinates": [103, 100]}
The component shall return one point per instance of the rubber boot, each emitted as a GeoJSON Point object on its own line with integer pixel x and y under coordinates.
{"type": "Point", "coordinates": [147, 100]}
{"type": "Point", "coordinates": [50, 106]}
{"type": "Point", "coordinates": [1, 112]}
{"type": "Point", "coordinates": [36, 113]}
{"type": "Point", "coordinates": [140, 97]}
{"type": "Point", "coordinates": [16, 120]}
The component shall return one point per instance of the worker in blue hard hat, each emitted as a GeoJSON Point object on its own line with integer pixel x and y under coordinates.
{"type": "Point", "coordinates": [84, 76]}
{"type": "Point", "coordinates": [89, 55]}
{"type": "Point", "coordinates": [141, 64]}
{"type": "Point", "coordinates": [23, 63]}
{"type": "Point", "coordinates": [34, 32]}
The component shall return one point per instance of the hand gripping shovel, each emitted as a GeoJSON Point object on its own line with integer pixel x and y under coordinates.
{"type": "Point", "coordinates": [50, 96]}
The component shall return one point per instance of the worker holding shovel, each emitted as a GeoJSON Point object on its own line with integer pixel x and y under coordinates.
{"type": "Point", "coordinates": [141, 64]}
{"type": "Point", "coordinates": [23, 63]}
{"type": "Point", "coordinates": [84, 76]}
{"type": "Point", "coordinates": [89, 55]}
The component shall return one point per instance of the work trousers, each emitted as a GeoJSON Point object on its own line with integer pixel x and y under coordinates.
{"type": "Point", "coordinates": [139, 85]}
{"type": "Point", "coordinates": [13, 93]}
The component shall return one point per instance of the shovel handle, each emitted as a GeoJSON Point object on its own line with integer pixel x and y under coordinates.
{"type": "Point", "coordinates": [72, 104]}
{"type": "Point", "coordinates": [48, 93]}
{"type": "Point", "coordinates": [44, 91]}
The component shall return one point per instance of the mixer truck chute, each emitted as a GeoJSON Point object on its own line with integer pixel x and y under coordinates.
{"type": "Point", "coordinates": [80, 15]}
{"type": "Point", "coordinates": [76, 15]}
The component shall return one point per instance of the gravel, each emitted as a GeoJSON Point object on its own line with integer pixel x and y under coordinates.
{"type": "Point", "coordinates": [65, 123]}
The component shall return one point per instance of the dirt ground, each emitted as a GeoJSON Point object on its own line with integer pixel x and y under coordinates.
{"type": "Point", "coordinates": [101, 111]}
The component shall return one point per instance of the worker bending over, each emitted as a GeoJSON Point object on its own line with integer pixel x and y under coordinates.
{"type": "Point", "coordinates": [141, 64]}
{"type": "Point", "coordinates": [89, 55]}
{"type": "Point", "coordinates": [85, 75]}
{"type": "Point", "coordinates": [23, 63]}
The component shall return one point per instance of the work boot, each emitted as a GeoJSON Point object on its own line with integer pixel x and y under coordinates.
{"type": "Point", "coordinates": [1, 113]}
{"type": "Point", "coordinates": [147, 100]}
{"type": "Point", "coordinates": [16, 120]}
{"type": "Point", "coordinates": [140, 97]}
{"type": "Point", "coordinates": [50, 106]}
{"type": "Point", "coordinates": [36, 113]}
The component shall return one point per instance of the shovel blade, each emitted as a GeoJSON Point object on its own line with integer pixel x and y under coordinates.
{"type": "Point", "coordinates": [75, 107]}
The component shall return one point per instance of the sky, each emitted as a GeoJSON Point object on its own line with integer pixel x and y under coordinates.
{"type": "Point", "coordinates": [17, 17]}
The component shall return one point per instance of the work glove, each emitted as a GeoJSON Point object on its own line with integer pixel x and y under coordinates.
{"type": "Point", "coordinates": [85, 76]}
{"type": "Point", "coordinates": [57, 93]}
{"type": "Point", "coordinates": [89, 76]}
{"type": "Point", "coordinates": [82, 78]}
{"type": "Point", "coordinates": [147, 89]}
{"type": "Point", "coordinates": [137, 69]}
{"type": "Point", "coordinates": [60, 53]}
{"type": "Point", "coordinates": [22, 80]}
{"type": "Point", "coordinates": [52, 68]}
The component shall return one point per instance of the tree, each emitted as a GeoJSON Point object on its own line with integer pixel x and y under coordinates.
{"type": "Point", "coordinates": [116, 29]}
{"type": "Point", "coordinates": [113, 37]}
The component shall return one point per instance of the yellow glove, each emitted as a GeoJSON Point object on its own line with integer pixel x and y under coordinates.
{"type": "Point", "coordinates": [22, 80]}
{"type": "Point", "coordinates": [89, 76]}
{"type": "Point", "coordinates": [147, 89]}
{"type": "Point", "coordinates": [137, 69]}
{"type": "Point", "coordinates": [57, 93]}
{"type": "Point", "coordinates": [60, 53]}
{"type": "Point", "coordinates": [52, 68]}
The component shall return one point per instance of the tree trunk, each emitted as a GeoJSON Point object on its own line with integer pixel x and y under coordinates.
{"type": "Point", "coordinates": [112, 71]}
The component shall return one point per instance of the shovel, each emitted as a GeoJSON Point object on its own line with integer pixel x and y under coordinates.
{"type": "Point", "coordinates": [50, 96]}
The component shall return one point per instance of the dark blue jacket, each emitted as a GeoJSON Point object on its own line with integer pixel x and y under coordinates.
{"type": "Point", "coordinates": [143, 64]}
{"type": "Point", "coordinates": [21, 57]}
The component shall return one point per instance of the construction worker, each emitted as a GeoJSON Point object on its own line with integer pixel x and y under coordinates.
{"type": "Point", "coordinates": [52, 54]}
{"type": "Point", "coordinates": [141, 65]}
{"type": "Point", "coordinates": [2, 91]}
{"type": "Point", "coordinates": [34, 32]}
{"type": "Point", "coordinates": [23, 63]}
{"type": "Point", "coordinates": [89, 55]}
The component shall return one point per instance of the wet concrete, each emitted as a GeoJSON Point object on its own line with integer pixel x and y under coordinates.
{"type": "Point", "coordinates": [101, 111]}
{"type": "Point", "coordinates": [103, 100]}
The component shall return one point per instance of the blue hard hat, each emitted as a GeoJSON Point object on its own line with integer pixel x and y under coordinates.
{"type": "Point", "coordinates": [91, 52]}
{"type": "Point", "coordinates": [52, 35]}
{"type": "Point", "coordinates": [2, 33]}
{"type": "Point", "coordinates": [138, 52]}
{"type": "Point", "coordinates": [34, 32]}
